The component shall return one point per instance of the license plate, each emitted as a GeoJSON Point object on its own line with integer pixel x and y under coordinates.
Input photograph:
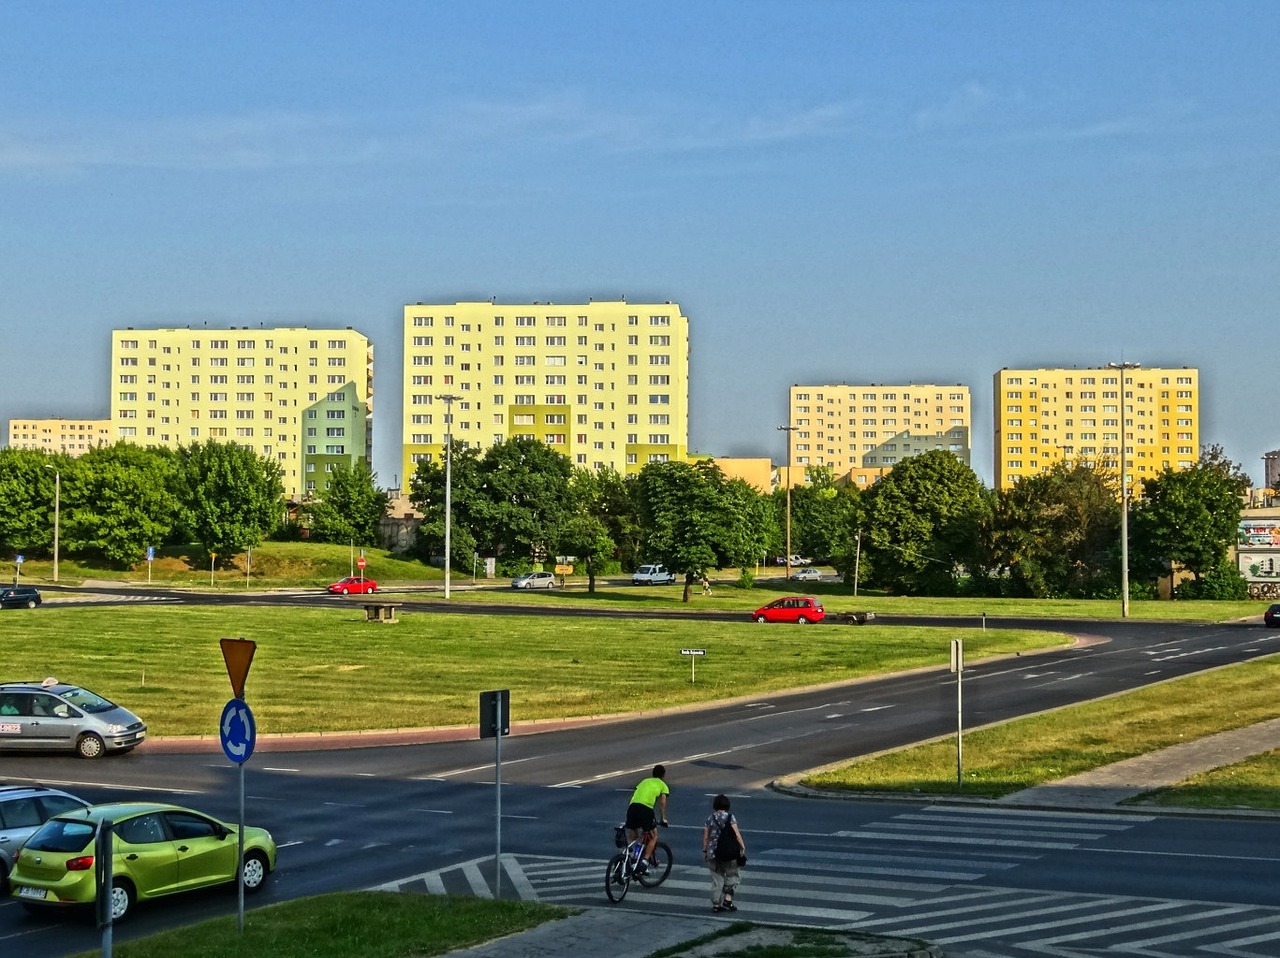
{"type": "Point", "coordinates": [26, 891]}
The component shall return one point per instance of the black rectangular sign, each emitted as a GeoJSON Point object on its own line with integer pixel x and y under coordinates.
{"type": "Point", "coordinates": [495, 713]}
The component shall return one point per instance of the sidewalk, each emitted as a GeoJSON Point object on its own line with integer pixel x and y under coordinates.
{"type": "Point", "coordinates": [1112, 784]}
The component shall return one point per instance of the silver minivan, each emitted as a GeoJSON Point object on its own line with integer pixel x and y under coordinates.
{"type": "Point", "coordinates": [52, 716]}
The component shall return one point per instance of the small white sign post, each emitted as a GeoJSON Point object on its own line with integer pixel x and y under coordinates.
{"type": "Point", "coordinates": [693, 662]}
{"type": "Point", "coordinates": [957, 666]}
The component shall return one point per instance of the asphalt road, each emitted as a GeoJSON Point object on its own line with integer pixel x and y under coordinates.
{"type": "Point", "coordinates": [423, 816]}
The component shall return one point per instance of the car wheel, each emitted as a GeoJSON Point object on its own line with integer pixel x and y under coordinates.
{"type": "Point", "coordinates": [122, 899]}
{"type": "Point", "coordinates": [345, 590]}
{"type": "Point", "coordinates": [761, 619]}
{"type": "Point", "coordinates": [31, 603]}
{"type": "Point", "coordinates": [802, 620]}
{"type": "Point", "coordinates": [255, 871]}
{"type": "Point", "coordinates": [373, 589]}
{"type": "Point", "coordinates": [89, 746]}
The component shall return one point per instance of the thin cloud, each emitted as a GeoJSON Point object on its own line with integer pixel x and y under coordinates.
{"type": "Point", "coordinates": [281, 140]}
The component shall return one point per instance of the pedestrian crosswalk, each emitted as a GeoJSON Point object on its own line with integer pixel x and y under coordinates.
{"type": "Point", "coordinates": [894, 877]}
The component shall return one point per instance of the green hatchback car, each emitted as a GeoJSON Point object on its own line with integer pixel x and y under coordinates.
{"type": "Point", "coordinates": [159, 850]}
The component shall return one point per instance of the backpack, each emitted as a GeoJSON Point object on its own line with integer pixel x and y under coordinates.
{"type": "Point", "coordinates": [727, 847]}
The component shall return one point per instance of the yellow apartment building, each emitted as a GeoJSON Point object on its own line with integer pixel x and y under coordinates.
{"type": "Point", "coordinates": [861, 431]}
{"type": "Point", "coordinates": [1043, 416]}
{"type": "Point", "coordinates": [606, 383]}
{"type": "Point", "coordinates": [301, 397]}
{"type": "Point", "coordinates": [68, 437]}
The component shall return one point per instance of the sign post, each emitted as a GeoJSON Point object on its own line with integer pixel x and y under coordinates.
{"type": "Point", "coordinates": [495, 722]}
{"type": "Point", "coordinates": [693, 662]}
{"type": "Point", "coordinates": [239, 733]}
{"type": "Point", "coordinates": [151, 557]}
{"type": "Point", "coordinates": [104, 850]}
{"type": "Point", "coordinates": [957, 666]}
{"type": "Point", "coordinates": [17, 568]}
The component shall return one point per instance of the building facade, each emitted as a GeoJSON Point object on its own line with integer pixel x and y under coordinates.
{"type": "Point", "coordinates": [301, 397]}
{"type": "Point", "coordinates": [604, 383]}
{"type": "Point", "coordinates": [862, 431]}
{"type": "Point", "coordinates": [68, 437]}
{"type": "Point", "coordinates": [1043, 416]}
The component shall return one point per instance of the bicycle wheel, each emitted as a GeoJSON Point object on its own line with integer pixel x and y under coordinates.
{"type": "Point", "coordinates": [659, 868]}
{"type": "Point", "coordinates": [616, 878]}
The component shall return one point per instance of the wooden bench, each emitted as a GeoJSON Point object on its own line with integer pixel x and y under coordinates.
{"type": "Point", "coordinates": [381, 611]}
{"type": "Point", "coordinates": [856, 618]}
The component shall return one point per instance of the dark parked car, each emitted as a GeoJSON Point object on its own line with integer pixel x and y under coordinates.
{"type": "Point", "coordinates": [1271, 618]}
{"type": "Point", "coordinates": [19, 597]}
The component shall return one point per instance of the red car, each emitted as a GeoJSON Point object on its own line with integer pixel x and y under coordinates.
{"type": "Point", "coordinates": [801, 609]}
{"type": "Point", "coordinates": [354, 585]}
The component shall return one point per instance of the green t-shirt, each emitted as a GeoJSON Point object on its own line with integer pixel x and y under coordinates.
{"type": "Point", "coordinates": [647, 791]}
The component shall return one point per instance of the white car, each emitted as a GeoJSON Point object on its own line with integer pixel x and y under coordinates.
{"type": "Point", "coordinates": [801, 575]}
{"type": "Point", "coordinates": [535, 580]}
{"type": "Point", "coordinates": [653, 575]}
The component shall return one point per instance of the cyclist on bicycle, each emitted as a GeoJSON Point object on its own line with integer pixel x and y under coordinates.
{"type": "Point", "coordinates": [648, 802]}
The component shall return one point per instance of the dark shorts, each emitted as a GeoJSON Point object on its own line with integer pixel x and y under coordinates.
{"type": "Point", "coordinates": [641, 817]}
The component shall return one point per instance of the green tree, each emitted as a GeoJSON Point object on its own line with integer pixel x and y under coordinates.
{"type": "Point", "coordinates": [822, 511]}
{"type": "Point", "coordinates": [1055, 534]}
{"type": "Point", "coordinates": [427, 493]}
{"type": "Point", "coordinates": [694, 519]}
{"type": "Point", "coordinates": [586, 532]}
{"type": "Point", "coordinates": [920, 522]}
{"type": "Point", "coordinates": [511, 502]}
{"type": "Point", "coordinates": [231, 497]}
{"type": "Point", "coordinates": [352, 507]}
{"type": "Point", "coordinates": [26, 499]}
{"type": "Point", "coordinates": [118, 500]}
{"type": "Point", "coordinates": [1190, 518]}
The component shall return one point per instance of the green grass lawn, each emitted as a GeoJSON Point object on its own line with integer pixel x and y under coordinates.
{"type": "Point", "coordinates": [1044, 748]}
{"type": "Point", "coordinates": [312, 664]}
{"type": "Point", "coordinates": [346, 925]}
{"type": "Point", "coordinates": [1253, 783]}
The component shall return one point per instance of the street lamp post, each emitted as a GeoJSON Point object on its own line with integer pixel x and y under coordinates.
{"type": "Point", "coordinates": [1124, 490]}
{"type": "Point", "coordinates": [57, 514]}
{"type": "Point", "coordinates": [448, 484]}
{"type": "Point", "coordinates": [788, 430]}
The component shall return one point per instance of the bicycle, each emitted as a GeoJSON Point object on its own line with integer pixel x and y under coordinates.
{"type": "Point", "coordinates": [625, 866]}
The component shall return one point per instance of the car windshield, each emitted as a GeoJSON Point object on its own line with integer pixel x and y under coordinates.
{"type": "Point", "coordinates": [57, 835]}
{"type": "Point", "coordinates": [88, 701]}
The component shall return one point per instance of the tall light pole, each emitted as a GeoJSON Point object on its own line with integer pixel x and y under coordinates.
{"type": "Point", "coordinates": [1124, 489]}
{"type": "Point", "coordinates": [57, 514]}
{"type": "Point", "coordinates": [448, 399]}
{"type": "Point", "coordinates": [788, 430]}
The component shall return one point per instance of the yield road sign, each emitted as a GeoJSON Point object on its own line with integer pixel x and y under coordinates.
{"type": "Point", "coordinates": [238, 731]}
{"type": "Point", "coordinates": [238, 654]}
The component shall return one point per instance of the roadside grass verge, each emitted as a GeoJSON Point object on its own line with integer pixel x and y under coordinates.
{"type": "Point", "coordinates": [1253, 783]}
{"type": "Point", "coordinates": [1025, 752]}
{"type": "Point", "coordinates": [326, 669]}
{"type": "Point", "coordinates": [347, 925]}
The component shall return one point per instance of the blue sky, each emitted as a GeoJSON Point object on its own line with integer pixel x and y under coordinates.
{"type": "Point", "coordinates": [833, 191]}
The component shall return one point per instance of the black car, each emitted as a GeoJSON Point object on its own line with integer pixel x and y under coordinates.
{"type": "Point", "coordinates": [19, 597]}
{"type": "Point", "coordinates": [1271, 618]}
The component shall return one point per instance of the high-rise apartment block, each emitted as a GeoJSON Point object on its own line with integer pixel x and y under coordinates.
{"type": "Point", "coordinates": [862, 431]}
{"type": "Point", "coordinates": [604, 383]}
{"type": "Point", "coordinates": [1043, 416]}
{"type": "Point", "coordinates": [68, 437]}
{"type": "Point", "coordinates": [301, 397]}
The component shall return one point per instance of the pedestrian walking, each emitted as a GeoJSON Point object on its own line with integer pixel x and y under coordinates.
{"type": "Point", "coordinates": [725, 852]}
{"type": "Point", "coordinates": [706, 584]}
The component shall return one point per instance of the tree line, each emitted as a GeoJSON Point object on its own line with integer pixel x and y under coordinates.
{"type": "Point", "coordinates": [928, 527]}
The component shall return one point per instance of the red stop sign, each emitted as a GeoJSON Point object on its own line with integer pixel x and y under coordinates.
{"type": "Point", "coordinates": [360, 563]}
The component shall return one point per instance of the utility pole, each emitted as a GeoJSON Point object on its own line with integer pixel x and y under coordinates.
{"type": "Point", "coordinates": [448, 399]}
{"type": "Point", "coordinates": [788, 430]}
